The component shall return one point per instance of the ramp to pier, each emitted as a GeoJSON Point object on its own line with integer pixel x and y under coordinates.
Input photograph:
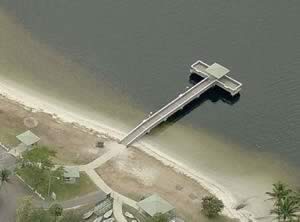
{"type": "Point", "coordinates": [213, 75]}
{"type": "Point", "coordinates": [161, 115]}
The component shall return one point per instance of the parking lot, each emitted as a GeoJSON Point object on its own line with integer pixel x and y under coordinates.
{"type": "Point", "coordinates": [11, 192]}
{"type": "Point", "coordinates": [6, 160]}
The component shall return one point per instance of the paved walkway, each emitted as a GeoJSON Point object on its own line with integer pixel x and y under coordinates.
{"type": "Point", "coordinates": [90, 198]}
{"type": "Point", "coordinates": [114, 149]}
{"type": "Point", "coordinates": [89, 169]}
{"type": "Point", "coordinates": [98, 181]}
{"type": "Point", "coordinates": [117, 209]}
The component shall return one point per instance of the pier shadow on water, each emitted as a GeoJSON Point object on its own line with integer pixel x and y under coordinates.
{"type": "Point", "coordinates": [214, 95]}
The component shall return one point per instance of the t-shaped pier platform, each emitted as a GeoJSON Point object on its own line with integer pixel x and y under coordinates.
{"type": "Point", "coordinates": [218, 73]}
{"type": "Point", "coordinates": [213, 75]}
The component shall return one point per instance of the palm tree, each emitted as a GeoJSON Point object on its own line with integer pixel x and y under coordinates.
{"type": "Point", "coordinates": [286, 209]}
{"type": "Point", "coordinates": [297, 195]}
{"type": "Point", "coordinates": [279, 192]}
{"type": "Point", "coordinates": [56, 210]}
{"type": "Point", "coordinates": [4, 176]}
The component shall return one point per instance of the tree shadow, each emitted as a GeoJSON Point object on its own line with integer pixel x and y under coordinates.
{"type": "Point", "coordinates": [214, 94]}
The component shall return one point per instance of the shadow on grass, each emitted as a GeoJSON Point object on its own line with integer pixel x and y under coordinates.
{"type": "Point", "coordinates": [63, 191]}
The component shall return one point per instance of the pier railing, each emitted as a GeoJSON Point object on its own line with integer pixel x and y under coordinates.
{"type": "Point", "coordinates": [213, 75]}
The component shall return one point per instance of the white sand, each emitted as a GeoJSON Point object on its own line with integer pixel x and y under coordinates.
{"type": "Point", "coordinates": [31, 99]}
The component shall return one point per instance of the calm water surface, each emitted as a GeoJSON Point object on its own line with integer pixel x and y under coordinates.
{"type": "Point", "coordinates": [135, 56]}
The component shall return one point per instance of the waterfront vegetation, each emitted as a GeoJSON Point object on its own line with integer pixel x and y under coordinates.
{"type": "Point", "coordinates": [212, 206]}
{"type": "Point", "coordinates": [286, 202]}
{"type": "Point", "coordinates": [37, 170]}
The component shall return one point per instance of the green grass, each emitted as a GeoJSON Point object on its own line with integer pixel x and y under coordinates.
{"type": "Point", "coordinates": [62, 190]}
{"type": "Point", "coordinates": [8, 136]}
{"type": "Point", "coordinates": [66, 191]}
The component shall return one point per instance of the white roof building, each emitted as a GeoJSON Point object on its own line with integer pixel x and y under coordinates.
{"type": "Point", "coordinates": [71, 174]}
{"type": "Point", "coordinates": [154, 205]}
{"type": "Point", "coordinates": [217, 70]}
{"type": "Point", "coordinates": [28, 138]}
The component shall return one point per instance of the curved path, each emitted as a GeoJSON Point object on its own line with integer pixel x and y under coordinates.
{"type": "Point", "coordinates": [114, 149]}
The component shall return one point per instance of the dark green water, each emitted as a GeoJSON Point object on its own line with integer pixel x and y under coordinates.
{"type": "Point", "coordinates": [137, 54]}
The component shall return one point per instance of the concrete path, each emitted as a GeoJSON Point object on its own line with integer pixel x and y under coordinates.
{"type": "Point", "coordinates": [114, 149]}
{"type": "Point", "coordinates": [89, 169]}
{"type": "Point", "coordinates": [117, 209]}
{"type": "Point", "coordinates": [126, 200]}
{"type": "Point", "coordinates": [90, 198]}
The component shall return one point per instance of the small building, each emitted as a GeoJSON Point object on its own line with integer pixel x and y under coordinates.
{"type": "Point", "coordinates": [27, 141]}
{"type": "Point", "coordinates": [156, 205]}
{"type": "Point", "coordinates": [71, 174]}
{"type": "Point", "coordinates": [28, 138]}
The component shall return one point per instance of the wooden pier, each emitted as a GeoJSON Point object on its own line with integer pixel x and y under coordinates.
{"type": "Point", "coordinates": [213, 75]}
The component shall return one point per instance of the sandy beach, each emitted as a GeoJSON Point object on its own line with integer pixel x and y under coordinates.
{"type": "Point", "coordinates": [38, 104]}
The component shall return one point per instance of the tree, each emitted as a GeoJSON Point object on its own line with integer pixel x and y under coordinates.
{"type": "Point", "coordinates": [286, 209]}
{"type": "Point", "coordinates": [286, 202]}
{"type": "Point", "coordinates": [37, 168]}
{"type": "Point", "coordinates": [71, 216]}
{"type": "Point", "coordinates": [41, 215]}
{"type": "Point", "coordinates": [39, 156]}
{"type": "Point", "coordinates": [212, 206]}
{"type": "Point", "coordinates": [38, 176]}
{"type": "Point", "coordinates": [4, 176]}
{"type": "Point", "coordinates": [296, 195]}
{"type": "Point", "coordinates": [24, 210]}
{"type": "Point", "coordinates": [56, 210]}
{"type": "Point", "coordinates": [279, 192]}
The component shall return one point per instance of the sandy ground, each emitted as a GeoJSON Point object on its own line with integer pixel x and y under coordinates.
{"type": "Point", "coordinates": [136, 175]}
{"type": "Point", "coordinates": [76, 146]}
{"type": "Point", "coordinates": [73, 144]}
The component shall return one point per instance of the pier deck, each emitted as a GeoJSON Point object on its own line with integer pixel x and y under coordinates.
{"type": "Point", "coordinates": [213, 75]}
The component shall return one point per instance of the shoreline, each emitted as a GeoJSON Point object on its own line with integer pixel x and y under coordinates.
{"type": "Point", "coordinates": [30, 101]}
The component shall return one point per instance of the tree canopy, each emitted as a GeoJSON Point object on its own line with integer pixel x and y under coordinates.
{"type": "Point", "coordinates": [286, 202]}
{"type": "Point", "coordinates": [26, 212]}
{"type": "Point", "coordinates": [279, 191]}
{"type": "Point", "coordinates": [37, 169]}
{"type": "Point", "coordinates": [212, 206]}
{"type": "Point", "coordinates": [4, 176]}
{"type": "Point", "coordinates": [39, 156]}
{"type": "Point", "coordinates": [56, 210]}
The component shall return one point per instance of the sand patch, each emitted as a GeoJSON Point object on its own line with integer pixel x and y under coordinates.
{"type": "Point", "coordinates": [136, 174]}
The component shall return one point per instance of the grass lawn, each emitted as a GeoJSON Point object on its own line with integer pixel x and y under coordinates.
{"type": "Point", "coordinates": [62, 190]}
{"type": "Point", "coordinates": [66, 191]}
{"type": "Point", "coordinates": [8, 136]}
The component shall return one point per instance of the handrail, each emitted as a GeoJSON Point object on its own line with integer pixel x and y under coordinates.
{"type": "Point", "coordinates": [187, 100]}
{"type": "Point", "coordinates": [164, 107]}
{"type": "Point", "coordinates": [182, 99]}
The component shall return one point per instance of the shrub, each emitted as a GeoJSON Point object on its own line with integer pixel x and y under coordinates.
{"type": "Point", "coordinates": [211, 206]}
{"type": "Point", "coordinates": [56, 210]}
